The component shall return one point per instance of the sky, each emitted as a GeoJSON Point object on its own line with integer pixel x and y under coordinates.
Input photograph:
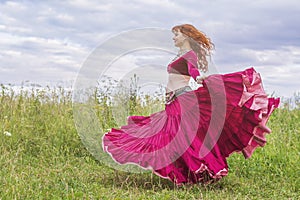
{"type": "Point", "coordinates": [48, 42]}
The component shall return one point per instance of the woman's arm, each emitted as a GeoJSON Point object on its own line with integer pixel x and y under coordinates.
{"type": "Point", "coordinates": [193, 70]}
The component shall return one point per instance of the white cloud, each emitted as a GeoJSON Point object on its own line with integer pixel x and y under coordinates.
{"type": "Point", "coordinates": [49, 40]}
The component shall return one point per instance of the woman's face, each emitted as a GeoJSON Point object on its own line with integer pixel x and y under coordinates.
{"type": "Point", "coordinates": [179, 38]}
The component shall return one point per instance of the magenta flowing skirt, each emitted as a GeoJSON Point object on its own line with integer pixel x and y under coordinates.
{"type": "Point", "coordinates": [189, 141]}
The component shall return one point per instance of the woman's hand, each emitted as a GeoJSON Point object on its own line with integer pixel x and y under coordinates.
{"type": "Point", "coordinates": [200, 79]}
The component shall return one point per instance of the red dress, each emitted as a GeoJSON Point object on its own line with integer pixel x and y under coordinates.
{"type": "Point", "coordinates": [189, 141]}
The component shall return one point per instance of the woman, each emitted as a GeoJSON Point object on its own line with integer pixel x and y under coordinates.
{"type": "Point", "coordinates": [189, 141]}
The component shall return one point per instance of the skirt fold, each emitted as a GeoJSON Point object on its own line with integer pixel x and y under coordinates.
{"type": "Point", "coordinates": [189, 141]}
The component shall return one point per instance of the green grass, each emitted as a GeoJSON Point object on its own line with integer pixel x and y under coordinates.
{"type": "Point", "coordinates": [44, 158]}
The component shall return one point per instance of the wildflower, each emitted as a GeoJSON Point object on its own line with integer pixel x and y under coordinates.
{"type": "Point", "coordinates": [7, 133]}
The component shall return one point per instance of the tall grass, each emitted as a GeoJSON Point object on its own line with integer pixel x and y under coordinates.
{"type": "Point", "coordinates": [42, 156]}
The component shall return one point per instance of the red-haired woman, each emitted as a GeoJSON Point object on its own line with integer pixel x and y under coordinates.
{"type": "Point", "coordinates": [189, 141]}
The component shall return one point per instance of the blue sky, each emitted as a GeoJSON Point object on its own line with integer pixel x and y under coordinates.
{"type": "Point", "coordinates": [48, 41]}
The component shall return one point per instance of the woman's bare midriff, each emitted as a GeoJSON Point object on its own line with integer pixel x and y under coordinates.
{"type": "Point", "coordinates": [176, 81]}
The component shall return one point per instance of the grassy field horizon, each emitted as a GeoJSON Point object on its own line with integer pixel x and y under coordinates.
{"type": "Point", "coordinates": [43, 157]}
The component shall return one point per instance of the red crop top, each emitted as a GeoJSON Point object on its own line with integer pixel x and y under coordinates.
{"type": "Point", "coordinates": [185, 65]}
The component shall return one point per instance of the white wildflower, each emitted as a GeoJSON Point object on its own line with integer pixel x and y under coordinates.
{"type": "Point", "coordinates": [7, 133]}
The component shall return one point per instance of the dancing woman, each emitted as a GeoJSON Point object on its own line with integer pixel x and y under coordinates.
{"type": "Point", "coordinates": [189, 141]}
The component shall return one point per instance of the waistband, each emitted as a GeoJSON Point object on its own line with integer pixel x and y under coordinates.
{"type": "Point", "coordinates": [171, 96]}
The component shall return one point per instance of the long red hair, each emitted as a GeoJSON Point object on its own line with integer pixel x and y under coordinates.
{"type": "Point", "coordinates": [199, 42]}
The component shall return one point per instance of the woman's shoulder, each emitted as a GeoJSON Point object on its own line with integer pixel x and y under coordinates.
{"type": "Point", "coordinates": [190, 56]}
{"type": "Point", "coordinates": [190, 52]}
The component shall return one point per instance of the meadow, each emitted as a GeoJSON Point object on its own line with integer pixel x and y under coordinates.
{"type": "Point", "coordinates": [42, 156]}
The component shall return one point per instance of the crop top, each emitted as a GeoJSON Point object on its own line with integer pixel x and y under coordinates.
{"type": "Point", "coordinates": [185, 65]}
